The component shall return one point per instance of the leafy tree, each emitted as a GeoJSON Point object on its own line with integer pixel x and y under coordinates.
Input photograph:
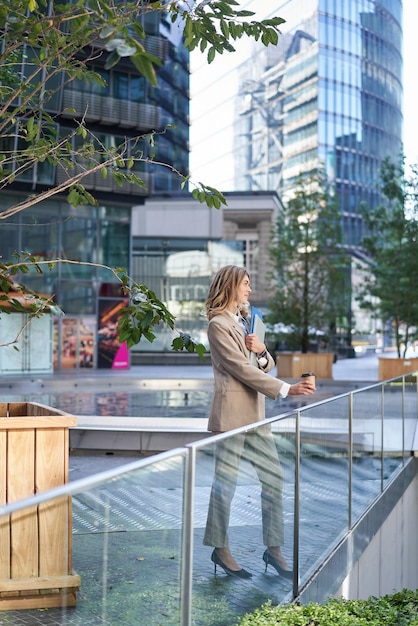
{"type": "Point", "coordinates": [390, 287]}
{"type": "Point", "coordinates": [309, 264]}
{"type": "Point", "coordinates": [47, 44]}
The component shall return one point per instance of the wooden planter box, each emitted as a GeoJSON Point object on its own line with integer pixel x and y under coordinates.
{"type": "Point", "coordinates": [294, 364]}
{"type": "Point", "coordinates": [390, 367]}
{"type": "Point", "coordinates": [36, 542]}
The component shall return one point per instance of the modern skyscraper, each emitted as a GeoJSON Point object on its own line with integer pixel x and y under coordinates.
{"type": "Point", "coordinates": [329, 95]}
{"type": "Point", "coordinates": [125, 106]}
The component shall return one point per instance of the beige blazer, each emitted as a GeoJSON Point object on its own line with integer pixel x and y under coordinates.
{"type": "Point", "coordinates": [240, 387]}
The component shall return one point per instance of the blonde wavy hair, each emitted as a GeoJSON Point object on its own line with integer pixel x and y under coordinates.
{"type": "Point", "coordinates": [223, 289]}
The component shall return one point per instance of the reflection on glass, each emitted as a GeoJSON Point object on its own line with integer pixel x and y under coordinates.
{"type": "Point", "coordinates": [324, 481]}
{"type": "Point", "coordinates": [126, 549]}
{"type": "Point", "coordinates": [245, 485]}
{"type": "Point", "coordinates": [367, 461]}
{"type": "Point", "coordinates": [127, 545]}
{"type": "Point", "coordinates": [411, 413]}
{"type": "Point", "coordinates": [396, 436]}
{"type": "Point", "coordinates": [236, 460]}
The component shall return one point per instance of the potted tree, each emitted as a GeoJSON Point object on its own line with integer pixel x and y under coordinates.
{"type": "Point", "coordinates": [311, 293]}
{"type": "Point", "coordinates": [390, 286]}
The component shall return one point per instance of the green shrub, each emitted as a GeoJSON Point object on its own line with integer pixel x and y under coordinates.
{"type": "Point", "coordinates": [398, 609]}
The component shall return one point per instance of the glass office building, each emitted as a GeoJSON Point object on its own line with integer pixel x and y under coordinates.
{"type": "Point", "coordinates": [328, 96]}
{"type": "Point", "coordinates": [125, 106]}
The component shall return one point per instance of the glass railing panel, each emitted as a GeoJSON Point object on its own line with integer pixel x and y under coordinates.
{"type": "Point", "coordinates": [411, 412]}
{"type": "Point", "coordinates": [394, 433]}
{"type": "Point", "coordinates": [367, 449]}
{"type": "Point", "coordinates": [284, 430]}
{"type": "Point", "coordinates": [244, 500]}
{"type": "Point", "coordinates": [324, 481]}
{"type": "Point", "coordinates": [126, 548]}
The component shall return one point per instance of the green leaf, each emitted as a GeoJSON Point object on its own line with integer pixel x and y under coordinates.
{"type": "Point", "coordinates": [149, 335]}
{"type": "Point", "coordinates": [201, 350]}
{"type": "Point", "coordinates": [147, 320]}
{"type": "Point", "coordinates": [112, 60]}
{"type": "Point", "coordinates": [145, 66]}
{"type": "Point", "coordinates": [177, 344]}
{"type": "Point", "coordinates": [211, 54]}
{"type": "Point", "coordinates": [224, 28]}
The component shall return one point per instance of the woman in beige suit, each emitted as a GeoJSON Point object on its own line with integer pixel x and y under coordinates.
{"type": "Point", "coordinates": [238, 400]}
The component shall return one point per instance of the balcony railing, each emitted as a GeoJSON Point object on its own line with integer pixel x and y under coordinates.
{"type": "Point", "coordinates": [110, 111]}
{"type": "Point", "coordinates": [96, 182]}
{"type": "Point", "coordinates": [138, 530]}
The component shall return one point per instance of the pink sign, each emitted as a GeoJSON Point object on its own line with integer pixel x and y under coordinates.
{"type": "Point", "coordinates": [121, 358]}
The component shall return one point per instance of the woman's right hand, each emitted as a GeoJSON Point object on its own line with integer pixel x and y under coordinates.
{"type": "Point", "coordinates": [302, 388]}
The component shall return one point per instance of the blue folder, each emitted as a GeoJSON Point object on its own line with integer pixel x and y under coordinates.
{"type": "Point", "coordinates": [256, 326]}
{"type": "Point", "coordinates": [254, 312]}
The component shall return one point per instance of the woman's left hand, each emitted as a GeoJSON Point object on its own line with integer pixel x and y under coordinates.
{"type": "Point", "coordinates": [303, 388]}
{"type": "Point", "coordinates": [254, 344]}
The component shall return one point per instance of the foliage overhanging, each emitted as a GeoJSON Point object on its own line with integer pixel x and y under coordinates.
{"type": "Point", "coordinates": [46, 45]}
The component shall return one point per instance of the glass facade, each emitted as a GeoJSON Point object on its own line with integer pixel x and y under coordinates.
{"type": "Point", "coordinates": [55, 230]}
{"type": "Point", "coordinates": [329, 96]}
{"type": "Point", "coordinates": [179, 271]}
{"type": "Point", "coordinates": [120, 111]}
{"type": "Point", "coordinates": [82, 239]}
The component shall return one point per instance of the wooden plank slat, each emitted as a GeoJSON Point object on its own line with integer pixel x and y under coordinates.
{"type": "Point", "coordinates": [4, 521]}
{"type": "Point", "coordinates": [66, 598]}
{"type": "Point", "coordinates": [52, 516]}
{"type": "Point", "coordinates": [17, 408]}
{"type": "Point", "coordinates": [38, 409]}
{"type": "Point", "coordinates": [21, 484]}
{"type": "Point", "coordinates": [69, 529]}
{"type": "Point", "coordinates": [56, 421]}
{"type": "Point", "coordinates": [41, 582]}
{"type": "Point", "coordinates": [49, 458]}
{"type": "Point", "coordinates": [3, 468]}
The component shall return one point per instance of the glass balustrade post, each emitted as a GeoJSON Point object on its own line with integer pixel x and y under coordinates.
{"type": "Point", "coordinates": [296, 512]}
{"type": "Point", "coordinates": [403, 420]}
{"type": "Point", "coordinates": [382, 441]}
{"type": "Point", "coordinates": [187, 537]}
{"type": "Point", "coordinates": [350, 459]}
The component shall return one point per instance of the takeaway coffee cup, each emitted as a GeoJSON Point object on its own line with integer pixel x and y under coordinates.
{"type": "Point", "coordinates": [311, 377]}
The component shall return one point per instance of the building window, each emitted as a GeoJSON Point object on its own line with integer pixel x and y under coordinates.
{"type": "Point", "coordinates": [250, 251]}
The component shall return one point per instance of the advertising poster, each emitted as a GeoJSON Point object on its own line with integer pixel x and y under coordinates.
{"type": "Point", "coordinates": [69, 343]}
{"type": "Point", "coordinates": [86, 333]}
{"type": "Point", "coordinates": [77, 342]}
{"type": "Point", "coordinates": [110, 353]}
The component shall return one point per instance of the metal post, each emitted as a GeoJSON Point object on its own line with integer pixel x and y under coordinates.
{"type": "Point", "coordinates": [350, 459]}
{"type": "Point", "coordinates": [296, 518]}
{"type": "Point", "coordinates": [403, 419]}
{"type": "Point", "coordinates": [382, 434]}
{"type": "Point", "coordinates": [187, 537]}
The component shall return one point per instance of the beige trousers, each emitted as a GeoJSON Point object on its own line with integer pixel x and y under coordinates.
{"type": "Point", "coordinates": [257, 447]}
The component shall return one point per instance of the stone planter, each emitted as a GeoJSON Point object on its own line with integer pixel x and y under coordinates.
{"type": "Point", "coordinates": [294, 364]}
{"type": "Point", "coordinates": [390, 367]}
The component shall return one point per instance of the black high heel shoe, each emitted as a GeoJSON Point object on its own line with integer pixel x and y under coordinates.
{"type": "Point", "coordinates": [269, 559]}
{"type": "Point", "coordinates": [239, 573]}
